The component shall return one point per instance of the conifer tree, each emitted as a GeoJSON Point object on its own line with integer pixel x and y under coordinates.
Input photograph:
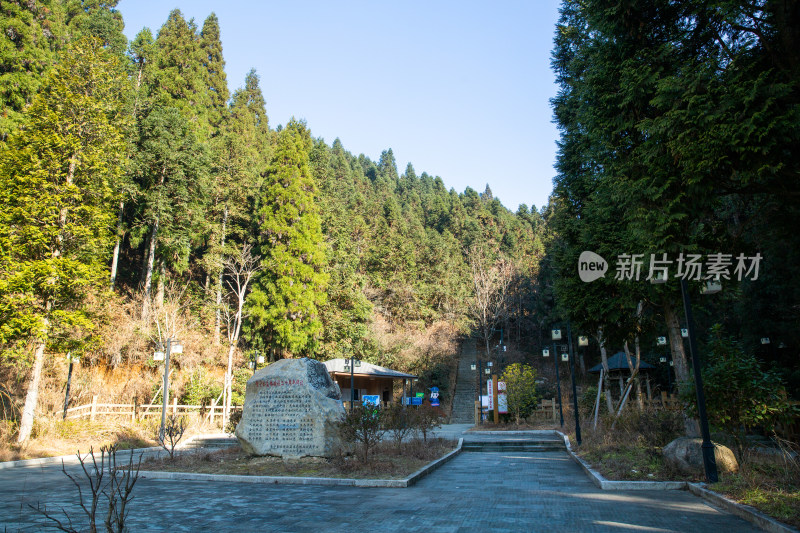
{"type": "Point", "coordinates": [31, 34]}
{"type": "Point", "coordinates": [57, 206]}
{"type": "Point", "coordinates": [285, 301]}
{"type": "Point", "coordinates": [181, 78]}
{"type": "Point", "coordinates": [171, 168]}
{"type": "Point", "coordinates": [216, 81]}
{"type": "Point", "coordinates": [241, 156]}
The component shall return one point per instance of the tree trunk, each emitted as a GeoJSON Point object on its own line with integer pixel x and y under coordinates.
{"type": "Point", "coordinates": [218, 301]}
{"type": "Point", "coordinates": [115, 255]}
{"type": "Point", "coordinates": [604, 360]}
{"type": "Point", "coordinates": [682, 372]}
{"type": "Point", "coordinates": [32, 397]}
{"type": "Point", "coordinates": [162, 276]}
{"type": "Point", "coordinates": [681, 362]}
{"type": "Point", "coordinates": [148, 279]}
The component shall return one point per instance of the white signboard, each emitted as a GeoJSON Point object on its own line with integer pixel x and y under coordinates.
{"type": "Point", "coordinates": [502, 403]}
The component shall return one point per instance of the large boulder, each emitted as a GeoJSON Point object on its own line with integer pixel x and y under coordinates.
{"type": "Point", "coordinates": [685, 454]}
{"type": "Point", "coordinates": [291, 409]}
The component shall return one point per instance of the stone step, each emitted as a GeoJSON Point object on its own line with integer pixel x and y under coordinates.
{"type": "Point", "coordinates": [514, 446]}
{"type": "Point", "coordinates": [211, 442]}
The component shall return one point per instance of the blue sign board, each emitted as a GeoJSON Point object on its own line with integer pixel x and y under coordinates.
{"type": "Point", "coordinates": [416, 401]}
{"type": "Point", "coordinates": [371, 399]}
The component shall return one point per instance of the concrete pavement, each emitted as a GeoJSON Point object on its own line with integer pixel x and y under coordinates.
{"type": "Point", "coordinates": [489, 491]}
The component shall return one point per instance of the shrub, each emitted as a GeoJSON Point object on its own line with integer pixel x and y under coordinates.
{"type": "Point", "coordinates": [427, 419]}
{"type": "Point", "coordinates": [363, 426]}
{"type": "Point", "coordinates": [521, 394]}
{"type": "Point", "coordinates": [233, 421]}
{"type": "Point", "coordinates": [200, 390]}
{"type": "Point", "coordinates": [239, 385]}
{"type": "Point", "coordinates": [650, 427]}
{"type": "Point", "coordinates": [399, 421]}
{"type": "Point", "coordinates": [739, 394]}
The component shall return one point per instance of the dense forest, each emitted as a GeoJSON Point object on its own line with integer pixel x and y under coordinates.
{"type": "Point", "coordinates": [141, 202]}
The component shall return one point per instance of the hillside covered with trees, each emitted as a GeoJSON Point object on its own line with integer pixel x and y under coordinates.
{"type": "Point", "coordinates": [142, 202]}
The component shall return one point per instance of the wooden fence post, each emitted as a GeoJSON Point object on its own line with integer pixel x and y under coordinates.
{"type": "Point", "coordinates": [133, 411]}
{"type": "Point", "coordinates": [175, 406]}
{"type": "Point", "coordinates": [213, 408]}
{"type": "Point", "coordinates": [93, 412]}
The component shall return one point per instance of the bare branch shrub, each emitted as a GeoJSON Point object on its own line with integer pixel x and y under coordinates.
{"type": "Point", "coordinates": [174, 428]}
{"type": "Point", "coordinates": [105, 479]}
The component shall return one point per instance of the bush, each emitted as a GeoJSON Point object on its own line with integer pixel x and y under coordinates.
{"type": "Point", "coordinates": [364, 427]}
{"type": "Point", "coordinates": [520, 383]}
{"type": "Point", "coordinates": [233, 420]}
{"type": "Point", "coordinates": [200, 390]}
{"type": "Point", "coordinates": [239, 385]}
{"type": "Point", "coordinates": [739, 394]}
{"type": "Point", "coordinates": [427, 419]}
{"type": "Point", "coordinates": [649, 427]}
{"type": "Point", "coordinates": [399, 420]}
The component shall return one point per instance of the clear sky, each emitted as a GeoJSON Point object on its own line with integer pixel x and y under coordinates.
{"type": "Point", "coordinates": [460, 89]}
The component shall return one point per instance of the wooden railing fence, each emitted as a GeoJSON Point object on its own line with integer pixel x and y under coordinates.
{"type": "Point", "coordinates": [139, 411]}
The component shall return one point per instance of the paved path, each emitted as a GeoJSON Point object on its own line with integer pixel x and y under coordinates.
{"type": "Point", "coordinates": [473, 492]}
{"type": "Point", "coordinates": [466, 385]}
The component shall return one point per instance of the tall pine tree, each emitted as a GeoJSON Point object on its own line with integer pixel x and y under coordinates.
{"type": "Point", "coordinates": [284, 305]}
{"type": "Point", "coordinates": [57, 206]}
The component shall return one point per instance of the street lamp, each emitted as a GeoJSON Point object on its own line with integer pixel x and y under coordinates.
{"type": "Point", "coordinates": [709, 462]}
{"type": "Point", "coordinates": [556, 336]}
{"type": "Point", "coordinates": [173, 346]}
{"type": "Point", "coordinates": [574, 388]}
{"type": "Point", "coordinates": [350, 366]}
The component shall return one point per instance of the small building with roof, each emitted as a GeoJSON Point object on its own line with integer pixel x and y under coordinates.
{"type": "Point", "coordinates": [619, 368]}
{"type": "Point", "coordinates": [368, 379]}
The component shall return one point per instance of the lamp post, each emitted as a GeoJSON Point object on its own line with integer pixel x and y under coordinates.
{"type": "Point", "coordinates": [709, 462]}
{"type": "Point", "coordinates": [258, 359]}
{"type": "Point", "coordinates": [177, 347]}
{"type": "Point", "coordinates": [349, 365]}
{"type": "Point", "coordinates": [556, 336]}
{"type": "Point", "coordinates": [71, 358]}
{"type": "Point", "coordinates": [574, 388]}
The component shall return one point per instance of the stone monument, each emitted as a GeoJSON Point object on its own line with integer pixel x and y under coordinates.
{"type": "Point", "coordinates": [291, 409]}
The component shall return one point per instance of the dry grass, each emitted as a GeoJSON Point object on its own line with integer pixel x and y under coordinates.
{"type": "Point", "coordinates": [632, 450]}
{"type": "Point", "coordinates": [385, 462]}
{"type": "Point", "coordinates": [769, 482]}
{"type": "Point", "coordinates": [53, 437]}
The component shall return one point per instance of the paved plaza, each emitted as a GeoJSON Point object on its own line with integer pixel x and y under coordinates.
{"type": "Point", "coordinates": [486, 491]}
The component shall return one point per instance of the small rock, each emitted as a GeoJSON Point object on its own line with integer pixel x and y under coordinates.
{"type": "Point", "coordinates": [685, 455]}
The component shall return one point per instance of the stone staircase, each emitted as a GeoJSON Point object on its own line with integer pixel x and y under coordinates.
{"type": "Point", "coordinates": [531, 442]}
{"type": "Point", "coordinates": [211, 442]}
{"type": "Point", "coordinates": [464, 397]}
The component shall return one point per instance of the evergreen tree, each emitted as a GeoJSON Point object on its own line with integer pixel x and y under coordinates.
{"type": "Point", "coordinates": [241, 156]}
{"type": "Point", "coordinates": [216, 81]}
{"type": "Point", "coordinates": [181, 77]}
{"type": "Point", "coordinates": [31, 34]}
{"type": "Point", "coordinates": [57, 206]}
{"type": "Point", "coordinates": [285, 301]}
{"type": "Point", "coordinates": [171, 169]}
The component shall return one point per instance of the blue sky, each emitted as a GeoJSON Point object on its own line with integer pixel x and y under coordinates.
{"type": "Point", "coordinates": [459, 89]}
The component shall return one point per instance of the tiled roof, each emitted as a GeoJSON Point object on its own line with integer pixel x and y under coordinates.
{"type": "Point", "coordinates": [366, 369]}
